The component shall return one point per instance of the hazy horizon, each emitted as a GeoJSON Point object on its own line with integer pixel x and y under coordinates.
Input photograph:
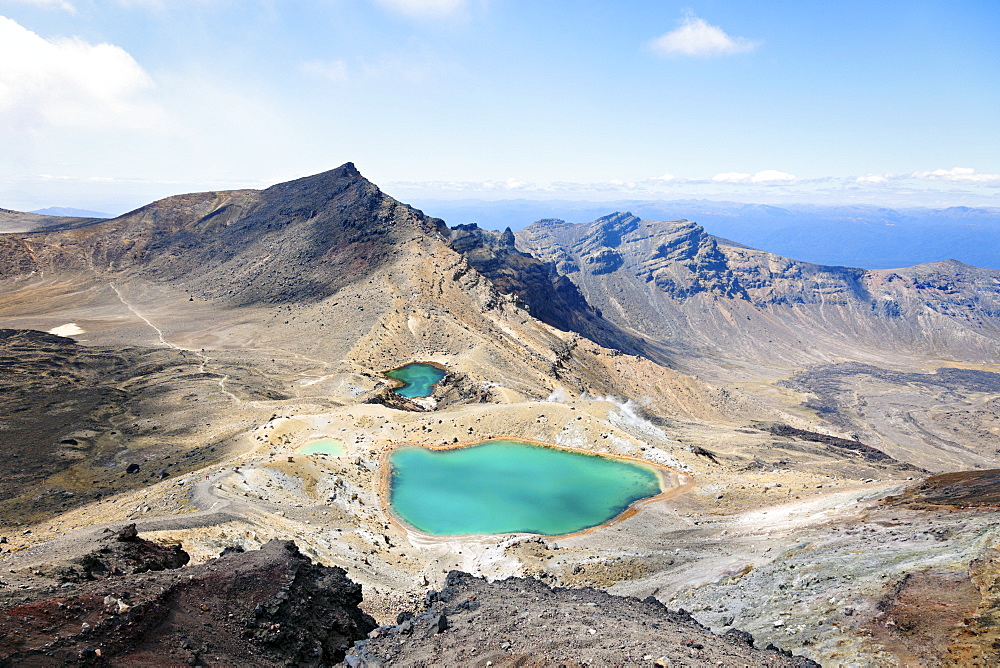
{"type": "Point", "coordinates": [107, 106]}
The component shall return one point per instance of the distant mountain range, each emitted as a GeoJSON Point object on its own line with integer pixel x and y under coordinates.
{"type": "Point", "coordinates": [855, 236]}
{"type": "Point", "coordinates": [71, 212]}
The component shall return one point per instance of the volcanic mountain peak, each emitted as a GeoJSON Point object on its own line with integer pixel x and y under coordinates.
{"type": "Point", "coordinates": [302, 239]}
{"type": "Point", "coordinates": [679, 257]}
{"type": "Point", "coordinates": [330, 182]}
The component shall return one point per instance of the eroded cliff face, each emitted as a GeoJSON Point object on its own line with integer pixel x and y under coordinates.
{"type": "Point", "coordinates": [679, 259]}
{"type": "Point", "coordinates": [674, 283]}
{"type": "Point", "coordinates": [836, 335]}
{"type": "Point", "coordinates": [546, 293]}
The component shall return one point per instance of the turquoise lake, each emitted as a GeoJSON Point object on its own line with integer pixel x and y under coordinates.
{"type": "Point", "coordinates": [510, 486]}
{"type": "Point", "coordinates": [419, 379]}
{"type": "Point", "coordinates": [326, 446]}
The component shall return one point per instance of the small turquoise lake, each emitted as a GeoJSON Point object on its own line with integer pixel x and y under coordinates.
{"type": "Point", "coordinates": [326, 446]}
{"type": "Point", "coordinates": [418, 379]}
{"type": "Point", "coordinates": [510, 486]}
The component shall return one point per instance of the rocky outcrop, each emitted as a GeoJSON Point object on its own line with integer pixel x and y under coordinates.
{"type": "Point", "coordinates": [274, 606]}
{"type": "Point", "coordinates": [551, 298]}
{"type": "Point", "coordinates": [266, 607]}
{"type": "Point", "coordinates": [123, 553]}
{"type": "Point", "coordinates": [522, 621]}
{"type": "Point", "coordinates": [962, 489]}
{"type": "Point", "coordinates": [549, 295]}
{"type": "Point", "coordinates": [843, 446]}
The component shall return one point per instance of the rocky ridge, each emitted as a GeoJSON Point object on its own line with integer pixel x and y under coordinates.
{"type": "Point", "coordinates": [22, 221]}
{"type": "Point", "coordinates": [729, 314]}
{"type": "Point", "coordinates": [549, 295]}
{"type": "Point", "coordinates": [676, 284]}
{"type": "Point", "coordinates": [321, 232]}
{"type": "Point", "coordinates": [524, 622]}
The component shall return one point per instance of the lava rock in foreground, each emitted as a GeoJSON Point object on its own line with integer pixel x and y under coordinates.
{"type": "Point", "coordinates": [267, 607]}
{"type": "Point", "coordinates": [524, 622]}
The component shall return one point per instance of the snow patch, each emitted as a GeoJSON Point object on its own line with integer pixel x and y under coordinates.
{"type": "Point", "coordinates": [69, 329]}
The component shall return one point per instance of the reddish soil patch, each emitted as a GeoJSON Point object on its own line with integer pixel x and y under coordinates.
{"type": "Point", "coordinates": [934, 619]}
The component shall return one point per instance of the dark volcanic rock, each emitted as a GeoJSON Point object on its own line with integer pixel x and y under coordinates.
{"type": "Point", "coordinates": [524, 622]}
{"type": "Point", "coordinates": [868, 452]}
{"type": "Point", "coordinates": [123, 553]}
{"type": "Point", "coordinates": [267, 607]}
{"type": "Point", "coordinates": [50, 385]}
{"type": "Point", "coordinates": [962, 489]}
{"type": "Point", "coordinates": [69, 410]}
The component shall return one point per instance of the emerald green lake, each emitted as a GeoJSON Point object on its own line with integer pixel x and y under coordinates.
{"type": "Point", "coordinates": [509, 486]}
{"type": "Point", "coordinates": [419, 379]}
{"type": "Point", "coordinates": [327, 446]}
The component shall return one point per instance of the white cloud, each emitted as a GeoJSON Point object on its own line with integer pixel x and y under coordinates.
{"type": "Point", "coordinates": [765, 177]}
{"type": "Point", "coordinates": [765, 187]}
{"type": "Point", "coordinates": [53, 4]}
{"type": "Point", "coordinates": [873, 179]}
{"type": "Point", "coordinates": [499, 184]}
{"type": "Point", "coordinates": [333, 70]}
{"type": "Point", "coordinates": [773, 176]}
{"type": "Point", "coordinates": [424, 9]}
{"type": "Point", "coordinates": [665, 178]}
{"type": "Point", "coordinates": [958, 175]}
{"type": "Point", "coordinates": [69, 83]}
{"type": "Point", "coordinates": [732, 177]}
{"type": "Point", "coordinates": [696, 37]}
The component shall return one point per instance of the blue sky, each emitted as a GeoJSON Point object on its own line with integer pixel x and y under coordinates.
{"type": "Point", "coordinates": [109, 104]}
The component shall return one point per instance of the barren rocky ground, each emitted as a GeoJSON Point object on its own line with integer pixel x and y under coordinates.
{"type": "Point", "coordinates": [216, 333]}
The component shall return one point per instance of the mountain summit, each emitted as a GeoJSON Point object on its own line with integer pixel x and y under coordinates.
{"type": "Point", "coordinates": [294, 241]}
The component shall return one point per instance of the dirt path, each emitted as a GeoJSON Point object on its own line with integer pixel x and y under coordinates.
{"type": "Point", "coordinates": [212, 510]}
{"type": "Point", "coordinates": [204, 359]}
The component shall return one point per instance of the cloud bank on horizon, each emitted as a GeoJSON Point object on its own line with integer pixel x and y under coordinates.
{"type": "Point", "coordinates": [108, 105]}
{"type": "Point", "coordinates": [928, 188]}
